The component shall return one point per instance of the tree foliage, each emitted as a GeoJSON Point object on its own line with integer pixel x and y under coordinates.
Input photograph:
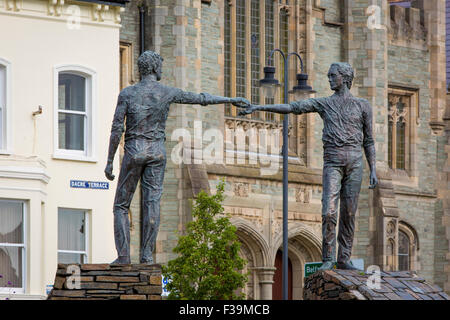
{"type": "Point", "coordinates": [208, 264]}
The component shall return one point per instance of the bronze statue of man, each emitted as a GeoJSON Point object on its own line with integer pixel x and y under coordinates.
{"type": "Point", "coordinates": [347, 130]}
{"type": "Point", "coordinates": [145, 107]}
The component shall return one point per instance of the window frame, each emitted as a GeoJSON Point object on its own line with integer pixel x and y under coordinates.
{"type": "Point", "coordinates": [278, 8]}
{"type": "Point", "coordinates": [89, 152]}
{"type": "Point", "coordinates": [412, 121]}
{"type": "Point", "coordinates": [5, 126]}
{"type": "Point", "coordinates": [85, 253]}
{"type": "Point", "coordinates": [408, 255]}
{"type": "Point", "coordinates": [126, 64]}
{"type": "Point", "coordinates": [413, 238]}
{"type": "Point", "coordinates": [22, 290]}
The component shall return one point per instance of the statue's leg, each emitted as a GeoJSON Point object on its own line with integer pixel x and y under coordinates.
{"type": "Point", "coordinates": [351, 186]}
{"type": "Point", "coordinates": [151, 186]}
{"type": "Point", "coordinates": [128, 178]}
{"type": "Point", "coordinates": [332, 176]}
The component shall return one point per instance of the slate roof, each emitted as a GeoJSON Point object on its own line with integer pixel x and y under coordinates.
{"type": "Point", "coordinates": [355, 285]}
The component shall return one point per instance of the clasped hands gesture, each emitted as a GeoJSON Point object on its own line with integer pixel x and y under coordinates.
{"type": "Point", "coordinates": [243, 103]}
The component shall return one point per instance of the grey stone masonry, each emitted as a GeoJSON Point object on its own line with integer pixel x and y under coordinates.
{"type": "Point", "coordinates": [107, 282]}
{"type": "Point", "coordinates": [358, 285]}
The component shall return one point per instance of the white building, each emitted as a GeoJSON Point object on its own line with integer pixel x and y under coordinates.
{"type": "Point", "coordinates": [59, 82]}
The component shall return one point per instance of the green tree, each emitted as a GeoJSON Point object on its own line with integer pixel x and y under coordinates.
{"type": "Point", "coordinates": [208, 264]}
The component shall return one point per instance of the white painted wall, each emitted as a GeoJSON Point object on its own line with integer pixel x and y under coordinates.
{"type": "Point", "coordinates": [34, 43]}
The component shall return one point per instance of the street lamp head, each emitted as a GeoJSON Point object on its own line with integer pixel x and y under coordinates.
{"type": "Point", "coordinates": [301, 90]}
{"type": "Point", "coordinates": [269, 84]}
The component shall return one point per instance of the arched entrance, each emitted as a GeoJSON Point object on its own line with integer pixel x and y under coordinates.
{"type": "Point", "coordinates": [255, 250]}
{"type": "Point", "coordinates": [277, 288]}
{"type": "Point", "coordinates": [303, 246]}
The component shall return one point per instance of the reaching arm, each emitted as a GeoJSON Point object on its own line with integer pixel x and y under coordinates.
{"type": "Point", "coordinates": [278, 108]}
{"type": "Point", "coordinates": [116, 133]}
{"type": "Point", "coordinates": [296, 107]}
{"type": "Point", "coordinates": [205, 99]}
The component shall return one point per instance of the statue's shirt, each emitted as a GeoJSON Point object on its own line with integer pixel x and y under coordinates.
{"type": "Point", "coordinates": [347, 121]}
{"type": "Point", "coordinates": [146, 107]}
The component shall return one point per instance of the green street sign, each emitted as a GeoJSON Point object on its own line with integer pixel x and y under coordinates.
{"type": "Point", "coordinates": [311, 267]}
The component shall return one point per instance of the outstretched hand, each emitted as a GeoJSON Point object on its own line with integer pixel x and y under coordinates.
{"type": "Point", "coordinates": [248, 110]}
{"type": "Point", "coordinates": [240, 102]}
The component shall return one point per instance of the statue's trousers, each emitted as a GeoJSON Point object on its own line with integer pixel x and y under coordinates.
{"type": "Point", "coordinates": [342, 176]}
{"type": "Point", "coordinates": [146, 160]}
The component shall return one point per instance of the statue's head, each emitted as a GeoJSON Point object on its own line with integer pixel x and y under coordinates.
{"type": "Point", "coordinates": [340, 73]}
{"type": "Point", "coordinates": [150, 62]}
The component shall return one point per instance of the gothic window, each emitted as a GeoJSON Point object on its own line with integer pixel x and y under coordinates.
{"type": "Point", "coordinates": [253, 28]}
{"type": "Point", "coordinates": [402, 108]}
{"type": "Point", "coordinates": [408, 247]}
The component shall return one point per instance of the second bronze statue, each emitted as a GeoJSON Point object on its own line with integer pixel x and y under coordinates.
{"type": "Point", "coordinates": [347, 131]}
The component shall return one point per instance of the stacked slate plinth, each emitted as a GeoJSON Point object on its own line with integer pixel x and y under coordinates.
{"type": "Point", "coordinates": [106, 282]}
{"type": "Point", "coordinates": [357, 285]}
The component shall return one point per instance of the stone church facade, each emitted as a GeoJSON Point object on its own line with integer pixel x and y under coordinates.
{"type": "Point", "coordinates": [220, 46]}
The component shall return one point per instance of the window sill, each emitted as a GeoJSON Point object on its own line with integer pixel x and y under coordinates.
{"type": "Point", "coordinates": [21, 296]}
{"type": "Point", "coordinates": [5, 152]}
{"type": "Point", "coordinates": [403, 178]}
{"type": "Point", "coordinates": [74, 157]}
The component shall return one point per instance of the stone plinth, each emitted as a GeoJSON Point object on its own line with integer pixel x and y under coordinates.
{"type": "Point", "coordinates": [357, 285]}
{"type": "Point", "coordinates": [106, 282]}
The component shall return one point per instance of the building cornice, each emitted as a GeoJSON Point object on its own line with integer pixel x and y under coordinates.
{"type": "Point", "coordinates": [27, 173]}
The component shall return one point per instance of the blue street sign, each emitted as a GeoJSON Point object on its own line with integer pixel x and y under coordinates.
{"type": "Point", "coordinates": [89, 184]}
{"type": "Point", "coordinates": [165, 292]}
{"type": "Point", "coordinates": [48, 288]}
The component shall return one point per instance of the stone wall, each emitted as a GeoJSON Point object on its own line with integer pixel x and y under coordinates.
{"type": "Point", "coordinates": [327, 48]}
{"type": "Point", "coordinates": [408, 67]}
{"type": "Point", "coordinates": [356, 285]}
{"type": "Point", "coordinates": [107, 282]}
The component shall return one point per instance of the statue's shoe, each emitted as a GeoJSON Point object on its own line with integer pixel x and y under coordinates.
{"type": "Point", "coordinates": [122, 260]}
{"type": "Point", "coordinates": [147, 260]}
{"type": "Point", "coordinates": [346, 266]}
{"type": "Point", "coordinates": [327, 265]}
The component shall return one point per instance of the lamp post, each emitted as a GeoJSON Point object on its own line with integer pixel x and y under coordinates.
{"type": "Point", "coordinates": [301, 91]}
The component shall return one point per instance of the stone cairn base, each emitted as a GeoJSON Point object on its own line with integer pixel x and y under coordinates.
{"type": "Point", "coordinates": [353, 285]}
{"type": "Point", "coordinates": [106, 282]}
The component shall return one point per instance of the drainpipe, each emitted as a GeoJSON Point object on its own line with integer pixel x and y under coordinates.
{"type": "Point", "coordinates": [142, 27]}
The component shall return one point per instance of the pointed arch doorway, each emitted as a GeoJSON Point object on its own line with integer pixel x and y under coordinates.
{"type": "Point", "coordinates": [277, 287]}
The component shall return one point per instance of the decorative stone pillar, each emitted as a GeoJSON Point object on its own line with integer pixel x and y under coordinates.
{"type": "Point", "coordinates": [435, 23]}
{"type": "Point", "coordinates": [265, 275]}
{"type": "Point", "coordinates": [386, 220]}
